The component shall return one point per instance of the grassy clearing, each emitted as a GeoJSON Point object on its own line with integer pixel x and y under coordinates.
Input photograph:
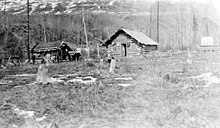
{"type": "Point", "coordinates": [165, 102]}
{"type": "Point", "coordinates": [163, 95]}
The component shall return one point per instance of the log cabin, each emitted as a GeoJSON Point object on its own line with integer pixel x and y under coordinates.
{"type": "Point", "coordinates": [126, 42]}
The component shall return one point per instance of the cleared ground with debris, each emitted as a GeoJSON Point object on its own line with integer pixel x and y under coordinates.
{"type": "Point", "coordinates": [156, 90]}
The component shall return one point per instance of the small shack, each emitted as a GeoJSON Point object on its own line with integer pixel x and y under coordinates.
{"type": "Point", "coordinates": [70, 51]}
{"type": "Point", "coordinates": [38, 50]}
{"type": "Point", "coordinates": [59, 50]}
{"type": "Point", "coordinates": [128, 43]}
{"type": "Point", "coordinates": [208, 44]}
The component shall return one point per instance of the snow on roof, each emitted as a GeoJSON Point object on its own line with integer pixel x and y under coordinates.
{"type": "Point", "coordinates": [140, 37]}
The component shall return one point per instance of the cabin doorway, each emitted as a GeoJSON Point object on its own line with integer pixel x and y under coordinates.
{"type": "Point", "coordinates": [125, 49]}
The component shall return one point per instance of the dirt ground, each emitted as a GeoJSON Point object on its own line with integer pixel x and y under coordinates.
{"type": "Point", "coordinates": [156, 90]}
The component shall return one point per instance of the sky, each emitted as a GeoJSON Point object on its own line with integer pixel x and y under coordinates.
{"type": "Point", "coordinates": [216, 3]}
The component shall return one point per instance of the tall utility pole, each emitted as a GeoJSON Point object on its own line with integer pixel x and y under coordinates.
{"type": "Point", "coordinates": [150, 21]}
{"type": "Point", "coordinates": [84, 26]}
{"type": "Point", "coordinates": [158, 19]}
{"type": "Point", "coordinates": [28, 38]}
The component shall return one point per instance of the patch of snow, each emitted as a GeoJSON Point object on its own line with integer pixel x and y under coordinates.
{"type": "Point", "coordinates": [5, 82]}
{"type": "Point", "coordinates": [111, 3]}
{"type": "Point", "coordinates": [76, 80]}
{"type": "Point", "coordinates": [60, 78]}
{"type": "Point", "coordinates": [23, 75]}
{"type": "Point", "coordinates": [98, 11]}
{"type": "Point", "coordinates": [60, 75]}
{"type": "Point", "coordinates": [112, 13]}
{"type": "Point", "coordinates": [41, 118]}
{"type": "Point", "coordinates": [208, 77]}
{"type": "Point", "coordinates": [57, 13]}
{"type": "Point", "coordinates": [2, 66]}
{"type": "Point", "coordinates": [53, 7]}
{"type": "Point", "coordinates": [205, 75]}
{"type": "Point", "coordinates": [125, 85]}
{"type": "Point", "coordinates": [49, 80]}
{"type": "Point", "coordinates": [97, 6]}
{"type": "Point", "coordinates": [70, 5]}
{"type": "Point", "coordinates": [33, 7]}
{"type": "Point", "coordinates": [215, 63]}
{"type": "Point", "coordinates": [42, 6]}
{"type": "Point", "coordinates": [34, 83]}
{"type": "Point", "coordinates": [55, 80]}
{"type": "Point", "coordinates": [71, 75]}
{"type": "Point", "coordinates": [81, 1]}
{"type": "Point", "coordinates": [84, 80]}
{"type": "Point", "coordinates": [23, 113]}
{"type": "Point", "coordinates": [87, 5]}
{"type": "Point", "coordinates": [129, 78]}
{"type": "Point", "coordinates": [141, 14]}
{"type": "Point", "coordinates": [14, 126]}
{"type": "Point", "coordinates": [19, 12]}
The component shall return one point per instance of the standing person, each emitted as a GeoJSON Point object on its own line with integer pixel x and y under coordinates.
{"type": "Point", "coordinates": [112, 65]}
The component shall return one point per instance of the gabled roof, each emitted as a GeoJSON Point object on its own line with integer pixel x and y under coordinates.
{"type": "Point", "coordinates": [137, 36]}
{"type": "Point", "coordinates": [48, 45]}
{"type": "Point", "coordinates": [53, 45]}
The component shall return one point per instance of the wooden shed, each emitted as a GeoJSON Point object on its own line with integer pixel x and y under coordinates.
{"type": "Point", "coordinates": [59, 49]}
{"type": "Point", "coordinates": [128, 43]}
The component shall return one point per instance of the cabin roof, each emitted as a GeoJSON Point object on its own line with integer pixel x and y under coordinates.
{"type": "Point", "coordinates": [53, 45]}
{"type": "Point", "coordinates": [47, 45]}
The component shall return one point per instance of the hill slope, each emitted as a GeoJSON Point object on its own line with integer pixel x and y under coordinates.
{"type": "Point", "coordinates": [103, 17]}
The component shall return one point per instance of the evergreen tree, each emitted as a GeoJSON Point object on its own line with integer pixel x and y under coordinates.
{"type": "Point", "coordinates": [195, 24]}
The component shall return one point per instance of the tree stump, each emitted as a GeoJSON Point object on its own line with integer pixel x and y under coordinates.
{"type": "Point", "coordinates": [42, 74]}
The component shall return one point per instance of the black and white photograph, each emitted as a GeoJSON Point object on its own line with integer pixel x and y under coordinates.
{"type": "Point", "coordinates": [109, 63]}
